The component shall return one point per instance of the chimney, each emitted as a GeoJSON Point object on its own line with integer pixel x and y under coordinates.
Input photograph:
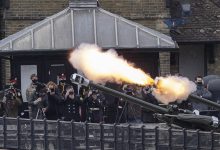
{"type": "Point", "coordinates": [83, 3]}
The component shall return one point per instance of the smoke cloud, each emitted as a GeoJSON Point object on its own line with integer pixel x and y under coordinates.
{"type": "Point", "coordinates": [173, 88]}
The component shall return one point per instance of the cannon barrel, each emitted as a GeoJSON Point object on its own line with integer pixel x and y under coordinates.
{"type": "Point", "coordinates": [135, 100]}
{"type": "Point", "coordinates": [203, 100]}
{"type": "Point", "coordinates": [80, 80]}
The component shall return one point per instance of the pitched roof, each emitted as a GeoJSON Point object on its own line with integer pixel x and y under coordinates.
{"type": "Point", "coordinates": [203, 25]}
{"type": "Point", "coordinates": [73, 26]}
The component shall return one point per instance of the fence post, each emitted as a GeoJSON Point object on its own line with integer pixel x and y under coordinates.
{"type": "Point", "coordinates": [4, 132]}
{"type": "Point", "coordinates": [101, 136]}
{"type": "Point", "coordinates": [45, 134]}
{"type": "Point", "coordinates": [32, 133]}
{"type": "Point", "coordinates": [198, 138]}
{"type": "Point", "coordinates": [73, 134]}
{"type": "Point", "coordinates": [156, 138]}
{"type": "Point", "coordinates": [115, 136]}
{"type": "Point", "coordinates": [142, 137]}
{"type": "Point", "coordinates": [212, 140]}
{"type": "Point", "coordinates": [18, 133]}
{"type": "Point", "coordinates": [170, 137]}
{"type": "Point", "coordinates": [58, 135]}
{"type": "Point", "coordinates": [129, 139]}
{"type": "Point", "coordinates": [87, 135]}
{"type": "Point", "coordinates": [184, 138]}
{"type": "Point", "coordinates": [122, 138]}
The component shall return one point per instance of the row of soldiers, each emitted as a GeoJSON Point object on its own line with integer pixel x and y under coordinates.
{"type": "Point", "coordinates": [61, 101]}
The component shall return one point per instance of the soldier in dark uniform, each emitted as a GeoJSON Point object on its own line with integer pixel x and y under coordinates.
{"type": "Point", "coordinates": [2, 109]}
{"type": "Point", "coordinates": [13, 98]}
{"type": "Point", "coordinates": [94, 108]}
{"type": "Point", "coordinates": [84, 95]}
{"type": "Point", "coordinates": [35, 95]}
{"type": "Point", "coordinates": [201, 92]}
{"type": "Point", "coordinates": [72, 104]}
{"type": "Point", "coordinates": [54, 100]}
{"type": "Point", "coordinates": [11, 103]}
{"type": "Point", "coordinates": [121, 116]}
{"type": "Point", "coordinates": [147, 115]}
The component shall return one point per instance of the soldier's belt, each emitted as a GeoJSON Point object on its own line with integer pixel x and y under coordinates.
{"type": "Point", "coordinates": [93, 109]}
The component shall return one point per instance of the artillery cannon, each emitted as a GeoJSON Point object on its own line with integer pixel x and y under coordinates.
{"type": "Point", "coordinates": [182, 118]}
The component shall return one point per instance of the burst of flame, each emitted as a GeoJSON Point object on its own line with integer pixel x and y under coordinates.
{"type": "Point", "coordinates": [173, 88]}
{"type": "Point", "coordinates": [102, 66]}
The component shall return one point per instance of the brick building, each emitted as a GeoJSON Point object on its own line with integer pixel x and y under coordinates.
{"type": "Point", "coordinates": [33, 46]}
{"type": "Point", "coordinates": [21, 14]}
{"type": "Point", "coordinates": [198, 37]}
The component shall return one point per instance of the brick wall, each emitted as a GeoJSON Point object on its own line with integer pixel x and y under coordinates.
{"type": "Point", "coordinates": [164, 63]}
{"type": "Point", "coordinates": [23, 13]}
{"type": "Point", "coordinates": [215, 68]}
{"type": "Point", "coordinates": [149, 13]}
{"type": "Point", "coordinates": [6, 72]}
{"type": "Point", "coordinates": [2, 26]}
{"type": "Point", "coordinates": [34, 9]}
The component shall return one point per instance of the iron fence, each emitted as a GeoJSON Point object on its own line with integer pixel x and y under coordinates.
{"type": "Point", "coordinates": [19, 133]}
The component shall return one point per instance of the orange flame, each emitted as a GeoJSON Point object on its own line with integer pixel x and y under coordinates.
{"type": "Point", "coordinates": [102, 66]}
{"type": "Point", "coordinates": [173, 88]}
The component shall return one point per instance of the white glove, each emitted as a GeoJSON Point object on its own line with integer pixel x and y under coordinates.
{"type": "Point", "coordinates": [37, 101]}
{"type": "Point", "coordinates": [196, 112]}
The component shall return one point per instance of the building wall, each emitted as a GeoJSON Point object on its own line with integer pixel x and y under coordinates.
{"type": "Point", "coordinates": [192, 60]}
{"type": "Point", "coordinates": [1, 24]}
{"type": "Point", "coordinates": [214, 68]}
{"type": "Point", "coordinates": [23, 13]}
{"type": "Point", "coordinates": [149, 13]}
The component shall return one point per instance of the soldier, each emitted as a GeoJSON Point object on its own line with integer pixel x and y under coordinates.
{"type": "Point", "coordinates": [34, 94]}
{"type": "Point", "coordinates": [84, 95]}
{"type": "Point", "coordinates": [121, 116]}
{"type": "Point", "coordinates": [72, 104]}
{"type": "Point", "coordinates": [11, 103]}
{"type": "Point", "coordinates": [201, 92]}
{"type": "Point", "coordinates": [147, 115]}
{"type": "Point", "coordinates": [17, 92]}
{"type": "Point", "coordinates": [94, 108]}
{"type": "Point", "coordinates": [62, 84]}
{"type": "Point", "coordinates": [1, 103]}
{"type": "Point", "coordinates": [54, 101]}
{"type": "Point", "coordinates": [12, 96]}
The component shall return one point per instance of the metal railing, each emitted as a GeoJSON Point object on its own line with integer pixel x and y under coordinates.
{"type": "Point", "coordinates": [19, 133]}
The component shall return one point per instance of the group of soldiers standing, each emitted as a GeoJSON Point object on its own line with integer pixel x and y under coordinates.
{"type": "Point", "coordinates": [61, 101]}
{"type": "Point", "coordinates": [52, 101]}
